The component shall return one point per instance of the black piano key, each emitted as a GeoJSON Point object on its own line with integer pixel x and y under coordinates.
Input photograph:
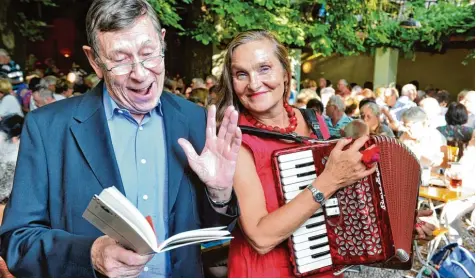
{"type": "Point", "coordinates": [303, 187]}
{"type": "Point", "coordinates": [317, 214]}
{"type": "Point", "coordinates": [314, 237]}
{"type": "Point", "coordinates": [313, 247]}
{"type": "Point", "coordinates": [306, 173]}
{"type": "Point", "coordinates": [304, 165]}
{"type": "Point", "coordinates": [320, 254]}
{"type": "Point", "coordinates": [315, 224]}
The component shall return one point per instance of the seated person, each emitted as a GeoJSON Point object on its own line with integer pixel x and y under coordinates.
{"type": "Point", "coordinates": [370, 113]}
{"type": "Point", "coordinates": [425, 142]}
{"type": "Point", "coordinates": [456, 117]}
{"type": "Point", "coordinates": [316, 105]}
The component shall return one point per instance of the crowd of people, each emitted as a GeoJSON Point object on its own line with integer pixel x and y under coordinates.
{"type": "Point", "coordinates": [140, 131]}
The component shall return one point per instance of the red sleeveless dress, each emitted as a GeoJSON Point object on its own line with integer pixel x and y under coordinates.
{"type": "Point", "coordinates": [243, 260]}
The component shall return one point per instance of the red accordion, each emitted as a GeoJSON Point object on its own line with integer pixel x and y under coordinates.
{"type": "Point", "coordinates": [370, 222]}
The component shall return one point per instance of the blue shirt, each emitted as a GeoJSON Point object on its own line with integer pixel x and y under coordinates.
{"type": "Point", "coordinates": [140, 151]}
{"type": "Point", "coordinates": [334, 131]}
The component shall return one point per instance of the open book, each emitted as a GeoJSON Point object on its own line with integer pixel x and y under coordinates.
{"type": "Point", "coordinates": [114, 215]}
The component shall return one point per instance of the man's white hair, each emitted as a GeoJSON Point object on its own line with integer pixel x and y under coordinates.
{"type": "Point", "coordinates": [337, 101]}
{"type": "Point", "coordinates": [408, 89]}
{"type": "Point", "coordinates": [3, 52]}
{"type": "Point", "coordinates": [8, 158]}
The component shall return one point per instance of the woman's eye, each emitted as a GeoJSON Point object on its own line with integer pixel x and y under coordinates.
{"type": "Point", "coordinates": [265, 69]}
{"type": "Point", "coordinates": [240, 75]}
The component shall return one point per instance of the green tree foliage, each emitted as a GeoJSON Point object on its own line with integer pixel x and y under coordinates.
{"type": "Point", "coordinates": [350, 26]}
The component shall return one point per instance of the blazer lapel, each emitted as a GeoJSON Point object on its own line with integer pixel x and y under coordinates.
{"type": "Point", "coordinates": [176, 126]}
{"type": "Point", "coordinates": [91, 132]}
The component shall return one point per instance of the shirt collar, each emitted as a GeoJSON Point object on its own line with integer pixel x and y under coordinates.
{"type": "Point", "coordinates": [110, 106]}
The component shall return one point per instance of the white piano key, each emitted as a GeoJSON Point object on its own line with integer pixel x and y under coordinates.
{"type": "Point", "coordinates": [295, 156]}
{"type": "Point", "coordinates": [291, 195]}
{"type": "Point", "coordinates": [295, 186]}
{"type": "Point", "coordinates": [295, 179]}
{"type": "Point", "coordinates": [308, 244]}
{"type": "Point", "coordinates": [305, 237]}
{"type": "Point", "coordinates": [293, 164]}
{"type": "Point", "coordinates": [310, 259]}
{"type": "Point", "coordinates": [291, 172]}
{"type": "Point", "coordinates": [332, 202]}
{"type": "Point", "coordinates": [304, 230]}
{"type": "Point", "coordinates": [309, 252]}
{"type": "Point", "coordinates": [333, 211]}
{"type": "Point", "coordinates": [314, 265]}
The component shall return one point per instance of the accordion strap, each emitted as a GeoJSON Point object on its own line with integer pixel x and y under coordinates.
{"type": "Point", "coordinates": [270, 134]}
{"type": "Point", "coordinates": [311, 120]}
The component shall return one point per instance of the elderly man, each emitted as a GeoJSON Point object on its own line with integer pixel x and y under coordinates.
{"type": "Point", "coordinates": [408, 94]}
{"type": "Point", "coordinates": [336, 118]}
{"type": "Point", "coordinates": [210, 81]}
{"type": "Point", "coordinates": [124, 133]}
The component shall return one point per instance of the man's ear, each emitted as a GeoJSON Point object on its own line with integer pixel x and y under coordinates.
{"type": "Point", "coordinates": [162, 33]}
{"type": "Point", "coordinates": [92, 61]}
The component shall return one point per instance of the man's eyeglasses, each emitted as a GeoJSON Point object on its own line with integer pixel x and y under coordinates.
{"type": "Point", "coordinates": [124, 69]}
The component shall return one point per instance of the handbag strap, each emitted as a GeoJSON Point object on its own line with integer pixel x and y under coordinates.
{"type": "Point", "coordinates": [311, 120]}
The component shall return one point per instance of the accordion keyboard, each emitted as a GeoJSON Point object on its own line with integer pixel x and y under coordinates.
{"type": "Point", "coordinates": [310, 242]}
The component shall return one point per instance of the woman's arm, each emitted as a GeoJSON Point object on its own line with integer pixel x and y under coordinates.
{"type": "Point", "coordinates": [265, 230]}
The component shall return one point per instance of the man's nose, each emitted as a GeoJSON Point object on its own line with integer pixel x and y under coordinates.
{"type": "Point", "coordinates": [139, 72]}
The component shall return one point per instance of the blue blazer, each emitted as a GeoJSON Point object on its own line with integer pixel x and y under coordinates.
{"type": "Point", "coordinates": [66, 156]}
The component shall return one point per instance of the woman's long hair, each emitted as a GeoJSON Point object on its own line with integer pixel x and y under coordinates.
{"type": "Point", "coordinates": [225, 85]}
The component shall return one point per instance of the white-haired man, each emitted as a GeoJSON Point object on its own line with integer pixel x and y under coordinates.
{"type": "Point", "coordinates": [336, 118]}
{"type": "Point", "coordinates": [408, 94]}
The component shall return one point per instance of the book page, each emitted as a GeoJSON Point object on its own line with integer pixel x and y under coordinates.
{"type": "Point", "coordinates": [174, 246]}
{"type": "Point", "coordinates": [196, 234]}
{"type": "Point", "coordinates": [123, 206]}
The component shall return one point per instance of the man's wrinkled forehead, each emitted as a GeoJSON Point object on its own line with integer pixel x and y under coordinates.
{"type": "Point", "coordinates": [141, 34]}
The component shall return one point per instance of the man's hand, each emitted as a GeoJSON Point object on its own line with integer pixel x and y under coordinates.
{"type": "Point", "coordinates": [423, 229]}
{"type": "Point", "coordinates": [112, 260]}
{"type": "Point", "coordinates": [216, 164]}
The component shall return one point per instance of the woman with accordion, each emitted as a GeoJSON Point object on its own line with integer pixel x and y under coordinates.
{"type": "Point", "coordinates": [256, 79]}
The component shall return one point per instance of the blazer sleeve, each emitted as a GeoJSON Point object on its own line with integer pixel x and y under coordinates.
{"type": "Point", "coordinates": [209, 217]}
{"type": "Point", "coordinates": [29, 245]}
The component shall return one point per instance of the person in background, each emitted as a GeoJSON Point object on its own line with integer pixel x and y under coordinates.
{"type": "Point", "coordinates": [342, 89]}
{"type": "Point", "coordinates": [322, 85]}
{"type": "Point", "coordinates": [352, 107]}
{"type": "Point", "coordinates": [469, 101]}
{"type": "Point", "coordinates": [369, 85]}
{"type": "Point", "coordinates": [356, 129]}
{"type": "Point", "coordinates": [405, 102]}
{"type": "Point", "coordinates": [461, 95]}
{"type": "Point", "coordinates": [10, 70]}
{"type": "Point", "coordinates": [42, 97]}
{"type": "Point", "coordinates": [64, 89]}
{"type": "Point", "coordinates": [443, 98]}
{"type": "Point", "coordinates": [304, 96]}
{"type": "Point", "coordinates": [169, 85]}
{"type": "Point", "coordinates": [214, 95]}
{"type": "Point", "coordinates": [91, 81]}
{"type": "Point", "coordinates": [370, 114]}
{"type": "Point", "coordinates": [316, 105]}
{"type": "Point", "coordinates": [336, 117]}
{"type": "Point", "coordinates": [293, 92]}
{"type": "Point", "coordinates": [433, 112]}
{"type": "Point", "coordinates": [210, 81]}
{"type": "Point", "coordinates": [326, 94]}
{"type": "Point", "coordinates": [256, 80]}
{"type": "Point", "coordinates": [199, 96]}
{"type": "Point", "coordinates": [427, 143]}
{"type": "Point", "coordinates": [454, 130]}
{"type": "Point", "coordinates": [8, 103]}
{"type": "Point", "coordinates": [313, 85]}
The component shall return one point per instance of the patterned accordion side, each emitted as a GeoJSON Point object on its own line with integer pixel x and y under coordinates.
{"type": "Point", "coordinates": [364, 223]}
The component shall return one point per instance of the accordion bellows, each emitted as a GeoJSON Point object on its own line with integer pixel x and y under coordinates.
{"type": "Point", "coordinates": [365, 223]}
